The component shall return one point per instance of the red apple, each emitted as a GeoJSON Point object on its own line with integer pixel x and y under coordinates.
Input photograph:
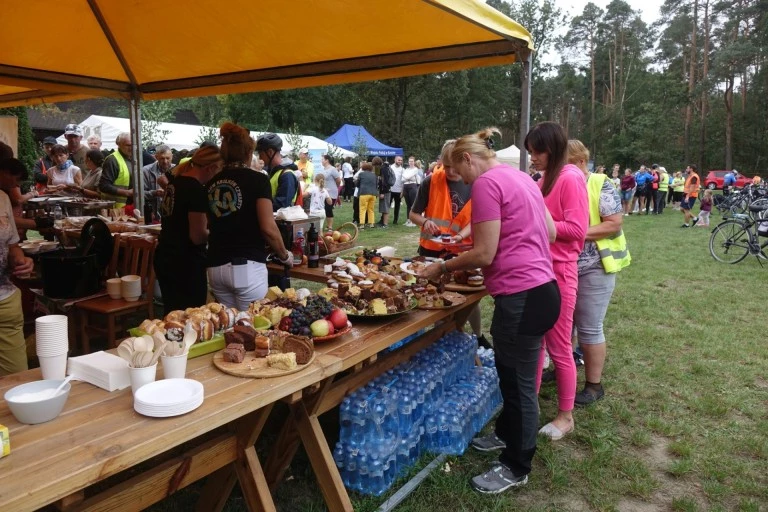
{"type": "Point", "coordinates": [331, 328]}
{"type": "Point", "coordinates": [345, 237]}
{"type": "Point", "coordinates": [338, 318]}
{"type": "Point", "coordinates": [328, 239]}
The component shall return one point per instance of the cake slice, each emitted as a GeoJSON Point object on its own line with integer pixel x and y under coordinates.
{"type": "Point", "coordinates": [301, 346]}
{"type": "Point", "coordinates": [285, 361]}
{"type": "Point", "coordinates": [234, 353]}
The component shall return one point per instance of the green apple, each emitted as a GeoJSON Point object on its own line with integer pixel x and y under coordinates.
{"type": "Point", "coordinates": [319, 328]}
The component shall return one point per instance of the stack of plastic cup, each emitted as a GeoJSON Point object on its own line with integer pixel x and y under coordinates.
{"type": "Point", "coordinates": [52, 341]}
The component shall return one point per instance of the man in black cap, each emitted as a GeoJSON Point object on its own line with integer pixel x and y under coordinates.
{"type": "Point", "coordinates": [77, 150]}
{"type": "Point", "coordinates": [43, 164]}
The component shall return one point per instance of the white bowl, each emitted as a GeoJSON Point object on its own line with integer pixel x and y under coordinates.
{"type": "Point", "coordinates": [40, 410]}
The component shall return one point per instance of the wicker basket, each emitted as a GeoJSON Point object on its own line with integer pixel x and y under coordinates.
{"type": "Point", "coordinates": [334, 247]}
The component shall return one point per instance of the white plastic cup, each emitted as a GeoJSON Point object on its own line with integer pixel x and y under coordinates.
{"type": "Point", "coordinates": [174, 367]}
{"type": "Point", "coordinates": [141, 376]}
{"type": "Point", "coordinates": [115, 287]}
{"type": "Point", "coordinates": [130, 287]}
{"type": "Point", "coordinates": [53, 367]}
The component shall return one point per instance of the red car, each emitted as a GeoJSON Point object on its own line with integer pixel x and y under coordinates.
{"type": "Point", "coordinates": [714, 180]}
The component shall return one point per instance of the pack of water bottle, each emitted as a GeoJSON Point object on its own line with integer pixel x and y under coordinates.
{"type": "Point", "coordinates": [466, 407]}
{"type": "Point", "coordinates": [406, 340]}
{"type": "Point", "coordinates": [487, 357]}
{"type": "Point", "coordinates": [384, 425]}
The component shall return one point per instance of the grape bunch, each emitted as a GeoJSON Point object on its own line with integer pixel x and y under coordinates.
{"type": "Point", "coordinates": [302, 316]}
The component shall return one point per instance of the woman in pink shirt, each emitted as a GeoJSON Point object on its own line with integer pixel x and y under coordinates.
{"type": "Point", "coordinates": [565, 195]}
{"type": "Point", "coordinates": [512, 231]}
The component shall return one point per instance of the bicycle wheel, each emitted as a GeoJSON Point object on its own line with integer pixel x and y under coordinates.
{"type": "Point", "coordinates": [729, 242]}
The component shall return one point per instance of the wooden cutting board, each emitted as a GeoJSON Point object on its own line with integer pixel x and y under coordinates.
{"type": "Point", "coordinates": [454, 287]}
{"type": "Point", "coordinates": [254, 367]}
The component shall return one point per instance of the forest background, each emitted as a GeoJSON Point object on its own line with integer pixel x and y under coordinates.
{"type": "Point", "coordinates": [690, 88]}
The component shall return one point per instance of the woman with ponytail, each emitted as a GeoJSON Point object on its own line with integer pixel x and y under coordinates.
{"type": "Point", "coordinates": [565, 194]}
{"type": "Point", "coordinates": [242, 224]}
{"type": "Point", "coordinates": [181, 255]}
{"type": "Point", "coordinates": [511, 230]}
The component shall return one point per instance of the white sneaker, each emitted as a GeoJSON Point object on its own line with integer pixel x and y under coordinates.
{"type": "Point", "coordinates": [409, 224]}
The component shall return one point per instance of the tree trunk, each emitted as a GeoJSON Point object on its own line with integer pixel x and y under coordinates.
{"type": "Point", "coordinates": [729, 120]}
{"type": "Point", "coordinates": [691, 84]}
{"type": "Point", "coordinates": [704, 94]}
{"type": "Point", "coordinates": [592, 113]}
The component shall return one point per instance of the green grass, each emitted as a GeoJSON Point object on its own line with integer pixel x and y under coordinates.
{"type": "Point", "coordinates": [684, 422]}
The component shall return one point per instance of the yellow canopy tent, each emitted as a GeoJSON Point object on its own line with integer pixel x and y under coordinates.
{"type": "Point", "coordinates": [154, 49]}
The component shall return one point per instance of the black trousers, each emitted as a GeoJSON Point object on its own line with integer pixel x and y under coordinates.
{"type": "Point", "coordinates": [396, 200]}
{"type": "Point", "coordinates": [349, 188]}
{"type": "Point", "coordinates": [355, 208]}
{"type": "Point", "coordinates": [183, 280]}
{"type": "Point", "coordinates": [409, 192]}
{"type": "Point", "coordinates": [519, 323]}
{"type": "Point", "coordinates": [650, 196]}
{"type": "Point", "coordinates": [660, 201]}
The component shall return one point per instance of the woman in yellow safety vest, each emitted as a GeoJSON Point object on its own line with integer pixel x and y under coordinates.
{"type": "Point", "coordinates": [678, 184]}
{"type": "Point", "coordinates": [604, 255]}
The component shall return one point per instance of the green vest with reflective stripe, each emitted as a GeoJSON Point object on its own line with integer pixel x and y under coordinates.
{"type": "Point", "coordinates": [663, 182]}
{"type": "Point", "coordinates": [612, 249]}
{"type": "Point", "coordinates": [273, 181]}
{"type": "Point", "coordinates": [123, 180]}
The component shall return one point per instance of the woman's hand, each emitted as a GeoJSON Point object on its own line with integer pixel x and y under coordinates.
{"type": "Point", "coordinates": [432, 272]}
{"type": "Point", "coordinates": [431, 228]}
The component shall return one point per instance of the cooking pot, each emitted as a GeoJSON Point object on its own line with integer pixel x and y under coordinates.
{"type": "Point", "coordinates": [67, 274]}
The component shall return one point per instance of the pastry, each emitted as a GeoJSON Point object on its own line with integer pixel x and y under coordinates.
{"type": "Point", "coordinates": [214, 307]}
{"type": "Point", "coordinates": [475, 281]}
{"type": "Point", "coordinates": [176, 316]}
{"type": "Point", "coordinates": [377, 307]}
{"type": "Point", "coordinates": [285, 361]}
{"type": "Point", "coordinates": [365, 285]}
{"type": "Point", "coordinates": [234, 353]}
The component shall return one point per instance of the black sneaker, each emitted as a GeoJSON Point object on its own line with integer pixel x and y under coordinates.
{"type": "Point", "coordinates": [498, 479]}
{"type": "Point", "coordinates": [488, 443]}
{"type": "Point", "coordinates": [587, 397]}
{"type": "Point", "coordinates": [685, 226]}
{"type": "Point", "coordinates": [548, 376]}
{"type": "Point", "coordinates": [695, 220]}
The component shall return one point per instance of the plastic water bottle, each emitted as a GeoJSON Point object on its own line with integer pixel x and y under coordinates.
{"type": "Point", "coordinates": [405, 412]}
{"type": "Point", "coordinates": [58, 216]}
{"type": "Point", "coordinates": [375, 473]}
{"type": "Point", "coordinates": [345, 419]}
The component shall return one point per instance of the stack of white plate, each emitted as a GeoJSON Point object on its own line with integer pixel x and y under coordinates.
{"type": "Point", "coordinates": [168, 397]}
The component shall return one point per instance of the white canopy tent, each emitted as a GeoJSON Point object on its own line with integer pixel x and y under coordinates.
{"type": "Point", "coordinates": [186, 136]}
{"type": "Point", "coordinates": [510, 156]}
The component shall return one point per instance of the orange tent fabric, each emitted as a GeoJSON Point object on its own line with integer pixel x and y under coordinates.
{"type": "Point", "coordinates": [152, 50]}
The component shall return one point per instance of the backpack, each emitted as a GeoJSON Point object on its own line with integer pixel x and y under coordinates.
{"type": "Point", "coordinates": [389, 176]}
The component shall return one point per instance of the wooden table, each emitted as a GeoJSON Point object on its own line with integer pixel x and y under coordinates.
{"type": "Point", "coordinates": [359, 352]}
{"type": "Point", "coordinates": [98, 435]}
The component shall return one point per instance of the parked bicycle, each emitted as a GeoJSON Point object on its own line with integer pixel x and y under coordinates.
{"type": "Point", "coordinates": [739, 200]}
{"type": "Point", "coordinates": [741, 235]}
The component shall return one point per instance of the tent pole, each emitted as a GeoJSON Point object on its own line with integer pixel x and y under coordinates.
{"type": "Point", "coordinates": [525, 108]}
{"type": "Point", "coordinates": [136, 152]}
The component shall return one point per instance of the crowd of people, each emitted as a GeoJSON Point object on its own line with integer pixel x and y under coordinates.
{"type": "Point", "coordinates": [549, 249]}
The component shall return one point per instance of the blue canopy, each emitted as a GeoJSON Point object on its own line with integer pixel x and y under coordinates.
{"type": "Point", "coordinates": [347, 137]}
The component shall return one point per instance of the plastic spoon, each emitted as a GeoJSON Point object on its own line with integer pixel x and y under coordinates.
{"type": "Point", "coordinates": [61, 386]}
